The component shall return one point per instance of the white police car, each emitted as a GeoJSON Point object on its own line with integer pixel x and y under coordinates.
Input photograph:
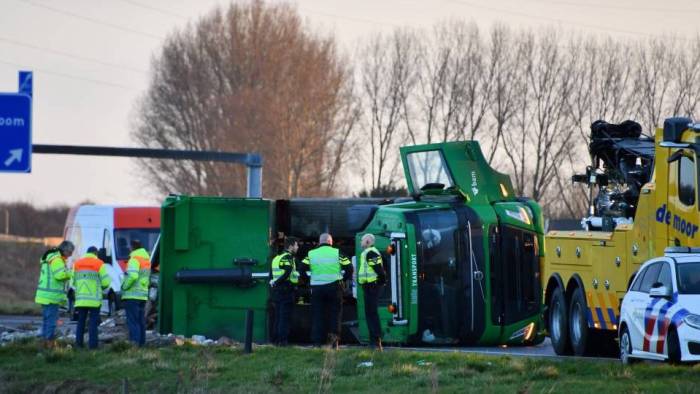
{"type": "Point", "coordinates": [660, 314]}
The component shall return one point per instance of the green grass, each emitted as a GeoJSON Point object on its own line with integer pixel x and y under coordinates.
{"type": "Point", "coordinates": [119, 367]}
{"type": "Point", "coordinates": [20, 308]}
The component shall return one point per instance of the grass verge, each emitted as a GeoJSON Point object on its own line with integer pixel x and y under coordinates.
{"type": "Point", "coordinates": [24, 367]}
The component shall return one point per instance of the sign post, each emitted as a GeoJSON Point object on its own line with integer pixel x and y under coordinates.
{"type": "Point", "coordinates": [16, 127]}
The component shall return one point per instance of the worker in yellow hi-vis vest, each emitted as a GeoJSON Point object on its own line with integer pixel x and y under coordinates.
{"type": "Point", "coordinates": [371, 276]}
{"type": "Point", "coordinates": [90, 277]}
{"type": "Point", "coordinates": [284, 279]}
{"type": "Point", "coordinates": [328, 268]}
{"type": "Point", "coordinates": [50, 292]}
{"type": "Point", "coordinates": [135, 292]}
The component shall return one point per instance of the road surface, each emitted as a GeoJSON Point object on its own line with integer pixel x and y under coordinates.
{"type": "Point", "coordinates": [543, 350]}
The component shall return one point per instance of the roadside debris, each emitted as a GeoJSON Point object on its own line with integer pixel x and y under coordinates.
{"type": "Point", "coordinates": [112, 329]}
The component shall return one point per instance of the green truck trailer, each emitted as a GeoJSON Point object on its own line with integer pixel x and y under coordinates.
{"type": "Point", "coordinates": [463, 256]}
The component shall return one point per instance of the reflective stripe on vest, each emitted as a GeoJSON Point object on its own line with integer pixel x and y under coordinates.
{"type": "Point", "coordinates": [278, 272]}
{"type": "Point", "coordinates": [325, 265]}
{"type": "Point", "coordinates": [366, 274]}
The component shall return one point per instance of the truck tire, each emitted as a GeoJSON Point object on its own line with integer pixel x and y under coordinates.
{"type": "Point", "coordinates": [580, 335]}
{"type": "Point", "coordinates": [558, 323]}
{"type": "Point", "coordinates": [673, 346]}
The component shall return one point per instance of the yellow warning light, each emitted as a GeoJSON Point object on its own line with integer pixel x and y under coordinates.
{"type": "Point", "coordinates": [504, 191]}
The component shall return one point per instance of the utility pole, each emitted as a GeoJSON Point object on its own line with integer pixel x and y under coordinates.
{"type": "Point", "coordinates": [7, 221]}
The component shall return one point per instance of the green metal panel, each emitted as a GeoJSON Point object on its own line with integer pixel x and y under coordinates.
{"type": "Point", "coordinates": [203, 233]}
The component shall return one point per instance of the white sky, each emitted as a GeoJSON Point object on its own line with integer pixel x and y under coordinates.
{"type": "Point", "coordinates": [91, 58]}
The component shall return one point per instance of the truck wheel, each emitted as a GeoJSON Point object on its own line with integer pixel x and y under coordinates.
{"type": "Point", "coordinates": [626, 347]}
{"type": "Point", "coordinates": [579, 333]}
{"type": "Point", "coordinates": [673, 346]}
{"type": "Point", "coordinates": [558, 327]}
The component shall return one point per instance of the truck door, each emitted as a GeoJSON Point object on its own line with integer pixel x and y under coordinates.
{"type": "Point", "coordinates": [681, 216]}
{"type": "Point", "coordinates": [514, 275]}
{"type": "Point", "coordinates": [439, 286]}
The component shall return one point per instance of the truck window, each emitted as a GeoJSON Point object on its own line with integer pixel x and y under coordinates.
{"type": "Point", "coordinates": [123, 239]}
{"type": "Point", "coordinates": [686, 180]}
{"type": "Point", "coordinates": [428, 167]}
{"type": "Point", "coordinates": [650, 277]}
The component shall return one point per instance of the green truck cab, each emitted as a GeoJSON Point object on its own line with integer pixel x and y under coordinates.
{"type": "Point", "coordinates": [462, 256]}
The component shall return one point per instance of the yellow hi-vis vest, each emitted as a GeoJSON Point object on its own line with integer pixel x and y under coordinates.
{"type": "Point", "coordinates": [89, 278]}
{"type": "Point", "coordinates": [51, 286]}
{"type": "Point", "coordinates": [325, 263]}
{"type": "Point", "coordinates": [138, 274]}
{"type": "Point", "coordinates": [283, 260]}
{"type": "Point", "coordinates": [366, 273]}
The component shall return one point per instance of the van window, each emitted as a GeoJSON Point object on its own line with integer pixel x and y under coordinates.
{"type": "Point", "coordinates": [686, 180]}
{"type": "Point", "coordinates": [123, 238]}
{"type": "Point", "coordinates": [107, 243]}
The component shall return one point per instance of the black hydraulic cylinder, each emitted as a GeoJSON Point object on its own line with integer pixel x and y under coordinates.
{"type": "Point", "coordinates": [248, 340]}
{"type": "Point", "coordinates": [222, 276]}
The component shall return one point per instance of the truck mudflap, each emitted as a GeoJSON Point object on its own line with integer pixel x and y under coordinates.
{"type": "Point", "coordinates": [603, 310]}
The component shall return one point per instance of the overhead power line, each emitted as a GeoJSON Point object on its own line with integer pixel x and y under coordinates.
{"type": "Point", "coordinates": [607, 6]}
{"type": "Point", "coordinates": [91, 20]}
{"type": "Point", "coordinates": [551, 19]}
{"type": "Point", "coordinates": [71, 55]}
{"type": "Point", "coordinates": [69, 76]}
{"type": "Point", "coordinates": [156, 9]}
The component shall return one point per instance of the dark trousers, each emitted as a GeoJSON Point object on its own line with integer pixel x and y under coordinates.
{"type": "Point", "coordinates": [371, 296]}
{"type": "Point", "coordinates": [283, 302]}
{"type": "Point", "coordinates": [327, 308]}
{"type": "Point", "coordinates": [93, 323]}
{"type": "Point", "coordinates": [136, 320]}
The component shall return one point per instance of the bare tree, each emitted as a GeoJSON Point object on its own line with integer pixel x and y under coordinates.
{"type": "Point", "coordinates": [248, 78]}
{"type": "Point", "coordinates": [652, 79]}
{"type": "Point", "coordinates": [387, 75]}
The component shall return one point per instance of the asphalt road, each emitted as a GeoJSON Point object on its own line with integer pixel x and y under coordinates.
{"type": "Point", "coordinates": [543, 350]}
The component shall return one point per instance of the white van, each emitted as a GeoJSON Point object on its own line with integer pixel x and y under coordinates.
{"type": "Point", "coordinates": [110, 229]}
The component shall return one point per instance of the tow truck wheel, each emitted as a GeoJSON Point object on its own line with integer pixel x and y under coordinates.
{"type": "Point", "coordinates": [558, 327]}
{"type": "Point", "coordinates": [674, 347]}
{"type": "Point", "coordinates": [579, 333]}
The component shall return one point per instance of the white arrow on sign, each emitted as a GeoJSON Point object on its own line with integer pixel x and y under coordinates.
{"type": "Point", "coordinates": [15, 155]}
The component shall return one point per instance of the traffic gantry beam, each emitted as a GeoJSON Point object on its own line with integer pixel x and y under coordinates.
{"type": "Point", "coordinates": [252, 161]}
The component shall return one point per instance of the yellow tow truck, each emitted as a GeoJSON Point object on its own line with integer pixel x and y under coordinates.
{"type": "Point", "coordinates": [644, 197]}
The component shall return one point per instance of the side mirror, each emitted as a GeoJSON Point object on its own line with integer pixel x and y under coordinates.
{"type": "Point", "coordinates": [660, 291]}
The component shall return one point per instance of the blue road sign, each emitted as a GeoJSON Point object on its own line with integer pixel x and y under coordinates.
{"type": "Point", "coordinates": [16, 127]}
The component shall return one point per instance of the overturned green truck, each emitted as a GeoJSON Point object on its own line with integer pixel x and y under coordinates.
{"type": "Point", "coordinates": [462, 254]}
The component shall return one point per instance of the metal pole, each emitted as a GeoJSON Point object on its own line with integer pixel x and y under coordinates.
{"type": "Point", "coordinates": [254, 172]}
{"type": "Point", "coordinates": [248, 345]}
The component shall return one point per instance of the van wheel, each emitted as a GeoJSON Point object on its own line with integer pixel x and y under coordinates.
{"type": "Point", "coordinates": [558, 327]}
{"type": "Point", "coordinates": [674, 347]}
{"type": "Point", "coordinates": [579, 333]}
